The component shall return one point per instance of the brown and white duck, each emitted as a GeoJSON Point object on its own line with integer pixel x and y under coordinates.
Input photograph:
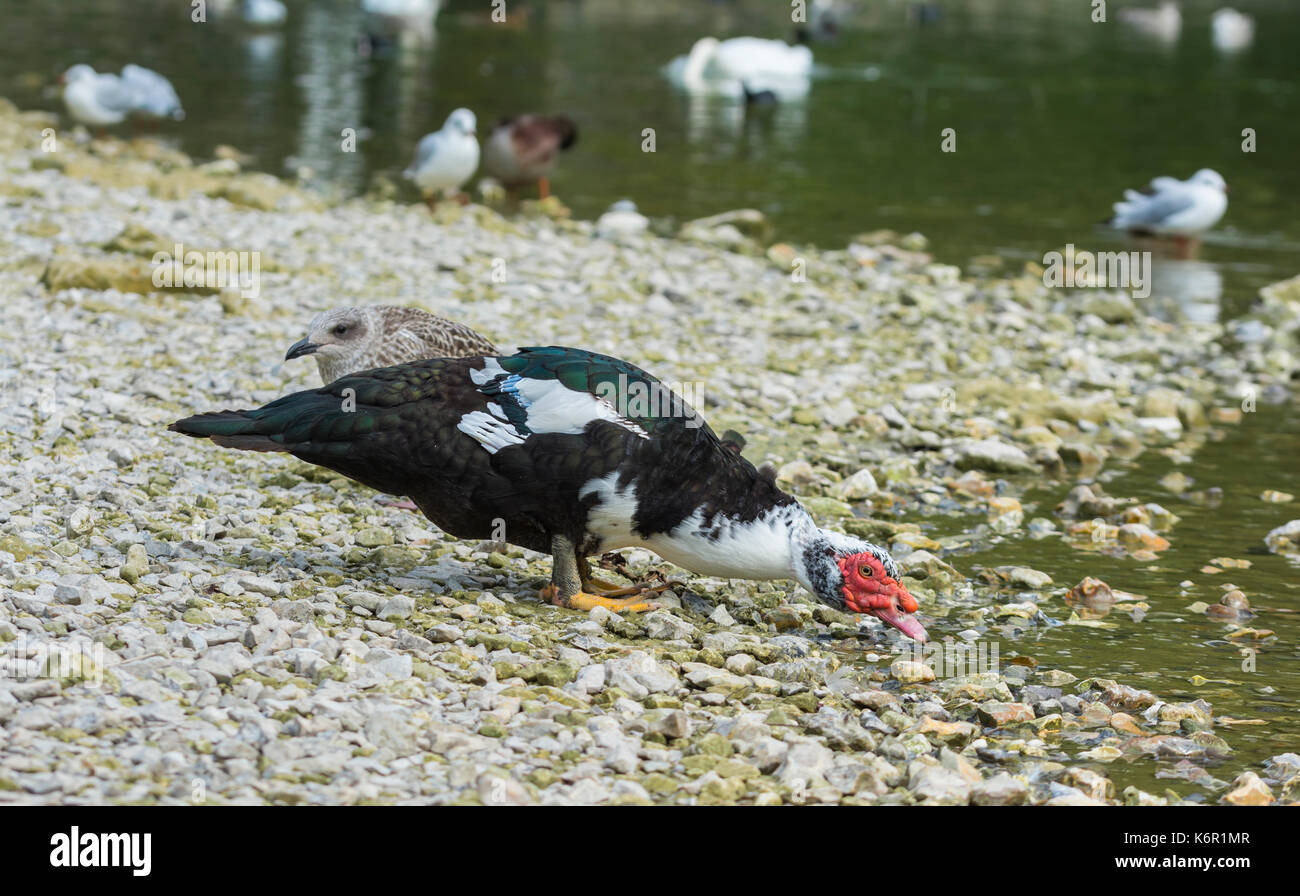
{"type": "Point", "coordinates": [522, 151]}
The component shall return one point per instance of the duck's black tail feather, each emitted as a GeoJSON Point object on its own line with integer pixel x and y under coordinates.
{"type": "Point", "coordinates": [232, 429]}
{"type": "Point", "coordinates": [313, 421]}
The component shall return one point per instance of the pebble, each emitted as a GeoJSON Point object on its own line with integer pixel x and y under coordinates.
{"type": "Point", "coordinates": [266, 621]}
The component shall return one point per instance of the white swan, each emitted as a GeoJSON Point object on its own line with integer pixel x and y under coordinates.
{"type": "Point", "coordinates": [727, 68]}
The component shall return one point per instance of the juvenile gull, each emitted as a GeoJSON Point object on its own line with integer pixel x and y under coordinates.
{"type": "Point", "coordinates": [346, 340]}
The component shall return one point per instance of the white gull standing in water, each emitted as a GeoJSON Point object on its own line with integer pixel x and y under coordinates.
{"type": "Point", "coordinates": [1182, 209]}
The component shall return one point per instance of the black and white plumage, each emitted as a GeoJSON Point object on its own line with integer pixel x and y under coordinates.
{"type": "Point", "coordinates": [578, 454]}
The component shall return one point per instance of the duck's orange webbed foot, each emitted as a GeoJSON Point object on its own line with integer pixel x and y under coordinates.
{"type": "Point", "coordinates": [584, 601]}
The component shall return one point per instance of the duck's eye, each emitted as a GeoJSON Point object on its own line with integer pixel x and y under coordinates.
{"type": "Point", "coordinates": [340, 329]}
{"type": "Point", "coordinates": [865, 572]}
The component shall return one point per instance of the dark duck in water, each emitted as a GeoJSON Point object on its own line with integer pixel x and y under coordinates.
{"type": "Point", "coordinates": [578, 454]}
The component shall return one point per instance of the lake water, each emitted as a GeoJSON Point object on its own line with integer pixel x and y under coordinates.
{"type": "Point", "coordinates": [1054, 116]}
{"type": "Point", "coordinates": [1166, 648]}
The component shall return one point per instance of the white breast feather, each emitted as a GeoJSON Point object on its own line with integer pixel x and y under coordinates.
{"type": "Point", "coordinates": [760, 549]}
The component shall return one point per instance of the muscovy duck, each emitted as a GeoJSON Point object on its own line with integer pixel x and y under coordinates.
{"type": "Point", "coordinates": [346, 340]}
{"type": "Point", "coordinates": [577, 453]}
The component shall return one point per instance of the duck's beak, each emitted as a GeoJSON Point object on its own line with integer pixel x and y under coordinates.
{"type": "Point", "coordinates": [898, 613]}
{"type": "Point", "coordinates": [905, 623]}
{"type": "Point", "coordinates": [302, 347]}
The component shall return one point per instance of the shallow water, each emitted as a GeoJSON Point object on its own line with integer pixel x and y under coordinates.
{"type": "Point", "coordinates": [1164, 649]}
{"type": "Point", "coordinates": [1054, 117]}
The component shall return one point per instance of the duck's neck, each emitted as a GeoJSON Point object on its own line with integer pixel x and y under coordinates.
{"type": "Point", "coordinates": [812, 555]}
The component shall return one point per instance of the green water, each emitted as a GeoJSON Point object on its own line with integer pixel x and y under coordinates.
{"type": "Point", "coordinates": [1164, 649]}
{"type": "Point", "coordinates": [1054, 117]}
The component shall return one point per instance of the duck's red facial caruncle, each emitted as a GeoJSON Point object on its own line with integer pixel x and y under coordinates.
{"type": "Point", "coordinates": [868, 588]}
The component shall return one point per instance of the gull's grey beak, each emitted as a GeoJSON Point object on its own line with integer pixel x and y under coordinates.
{"type": "Point", "coordinates": [301, 347]}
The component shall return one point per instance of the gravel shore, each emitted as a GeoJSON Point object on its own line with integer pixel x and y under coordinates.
{"type": "Point", "coordinates": [184, 624]}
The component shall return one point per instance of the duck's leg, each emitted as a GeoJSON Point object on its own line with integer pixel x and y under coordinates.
{"type": "Point", "coordinates": [565, 589]}
{"type": "Point", "coordinates": [543, 187]}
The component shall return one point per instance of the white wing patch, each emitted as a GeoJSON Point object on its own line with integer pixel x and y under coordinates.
{"type": "Point", "coordinates": [488, 431]}
{"type": "Point", "coordinates": [554, 407]}
{"type": "Point", "coordinates": [491, 370]}
{"type": "Point", "coordinates": [549, 407]}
